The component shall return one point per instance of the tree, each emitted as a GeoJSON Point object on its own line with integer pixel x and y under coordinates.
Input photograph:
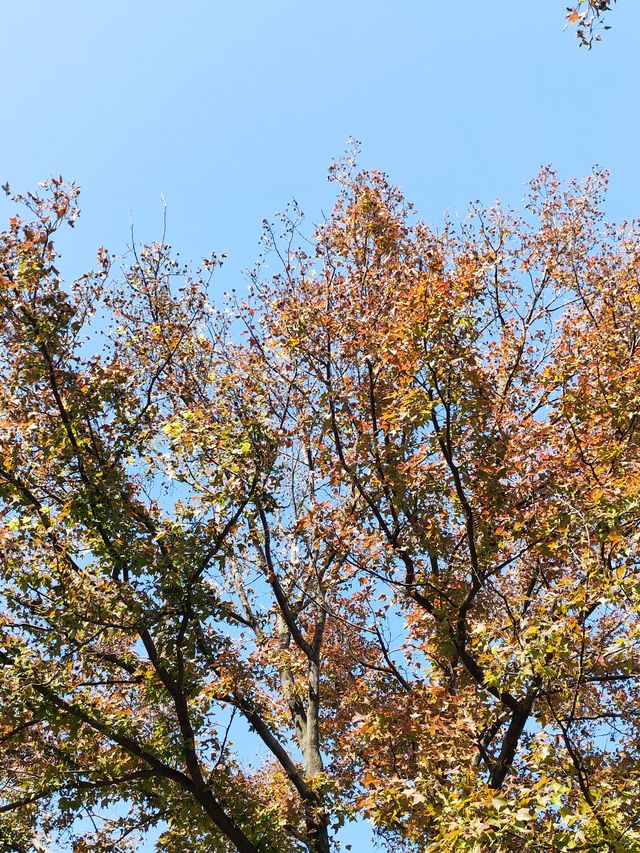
{"type": "Point", "coordinates": [131, 474]}
{"type": "Point", "coordinates": [587, 16]}
{"type": "Point", "coordinates": [381, 515]}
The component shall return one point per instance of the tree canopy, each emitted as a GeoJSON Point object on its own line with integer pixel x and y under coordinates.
{"type": "Point", "coordinates": [588, 18]}
{"type": "Point", "coordinates": [378, 519]}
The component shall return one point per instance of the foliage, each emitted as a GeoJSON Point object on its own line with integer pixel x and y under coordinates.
{"type": "Point", "coordinates": [587, 17]}
{"type": "Point", "coordinates": [389, 532]}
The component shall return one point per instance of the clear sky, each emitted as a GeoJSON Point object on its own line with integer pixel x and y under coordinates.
{"type": "Point", "coordinates": [229, 109]}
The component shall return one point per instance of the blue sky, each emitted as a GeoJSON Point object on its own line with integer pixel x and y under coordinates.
{"type": "Point", "coordinates": [228, 110]}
